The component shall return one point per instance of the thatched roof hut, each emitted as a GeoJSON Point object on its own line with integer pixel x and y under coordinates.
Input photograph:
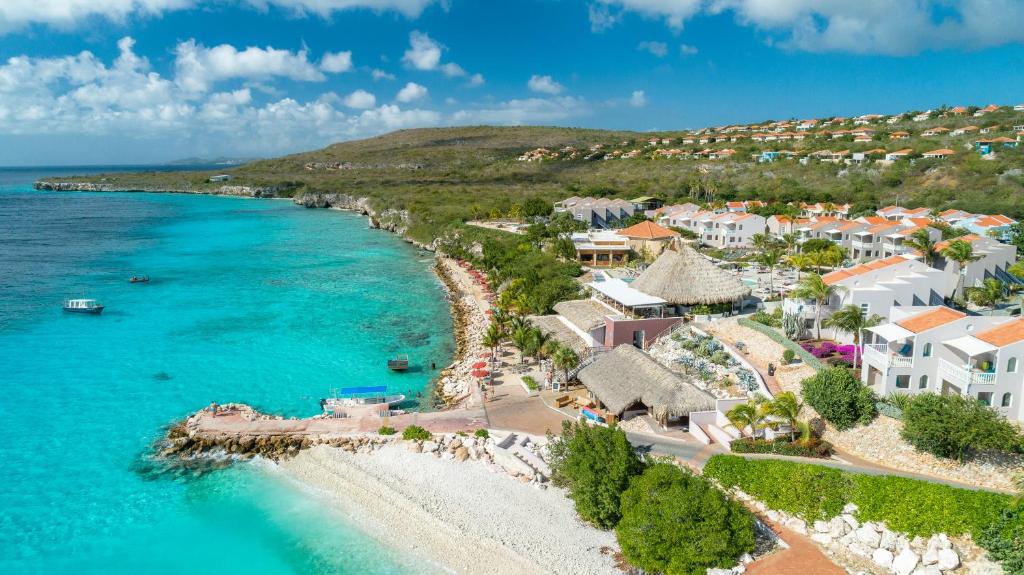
{"type": "Point", "coordinates": [626, 376]}
{"type": "Point", "coordinates": [684, 277]}
{"type": "Point", "coordinates": [552, 325]}
{"type": "Point", "coordinates": [585, 314]}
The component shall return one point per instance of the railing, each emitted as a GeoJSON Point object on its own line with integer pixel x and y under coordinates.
{"type": "Point", "coordinates": [964, 376]}
{"type": "Point", "coordinates": [881, 353]}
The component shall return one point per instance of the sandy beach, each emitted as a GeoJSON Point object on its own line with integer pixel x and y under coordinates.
{"type": "Point", "coordinates": [465, 517]}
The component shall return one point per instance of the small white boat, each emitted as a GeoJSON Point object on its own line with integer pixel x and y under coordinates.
{"type": "Point", "coordinates": [350, 397]}
{"type": "Point", "coordinates": [89, 306]}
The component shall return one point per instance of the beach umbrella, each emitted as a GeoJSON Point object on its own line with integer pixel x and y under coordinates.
{"type": "Point", "coordinates": [481, 373]}
{"type": "Point", "coordinates": [480, 365]}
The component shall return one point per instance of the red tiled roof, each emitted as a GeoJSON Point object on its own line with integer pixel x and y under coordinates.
{"type": "Point", "coordinates": [930, 319]}
{"type": "Point", "coordinates": [1005, 334]}
{"type": "Point", "coordinates": [647, 231]}
{"type": "Point", "coordinates": [839, 275]}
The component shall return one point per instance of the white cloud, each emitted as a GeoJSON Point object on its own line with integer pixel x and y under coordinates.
{"type": "Point", "coordinates": [638, 99]}
{"type": "Point", "coordinates": [411, 92]}
{"type": "Point", "coordinates": [452, 70]}
{"type": "Point", "coordinates": [525, 111]}
{"type": "Point", "coordinates": [687, 50]}
{"type": "Point", "coordinates": [382, 75]}
{"type": "Point", "coordinates": [659, 49]}
{"type": "Point", "coordinates": [336, 62]}
{"type": "Point", "coordinates": [423, 53]}
{"type": "Point", "coordinates": [544, 85]}
{"type": "Point", "coordinates": [69, 13]}
{"type": "Point", "coordinates": [476, 80]}
{"type": "Point", "coordinates": [197, 67]}
{"type": "Point", "coordinates": [360, 99]}
{"type": "Point", "coordinates": [898, 28]}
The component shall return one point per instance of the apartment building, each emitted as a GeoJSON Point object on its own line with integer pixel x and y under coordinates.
{"type": "Point", "coordinates": [725, 230]}
{"type": "Point", "coordinates": [599, 213]}
{"type": "Point", "coordinates": [940, 350]}
{"type": "Point", "coordinates": [994, 258]}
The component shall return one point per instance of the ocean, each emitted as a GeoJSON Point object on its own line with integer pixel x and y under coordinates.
{"type": "Point", "coordinates": [255, 301]}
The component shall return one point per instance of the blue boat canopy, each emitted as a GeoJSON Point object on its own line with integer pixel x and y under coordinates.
{"type": "Point", "coordinates": [363, 389]}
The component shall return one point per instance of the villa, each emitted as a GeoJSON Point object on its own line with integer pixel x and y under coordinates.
{"type": "Point", "coordinates": [647, 237]}
{"type": "Point", "coordinates": [597, 213]}
{"type": "Point", "coordinates": [726, 230]}
{"type": "Point", "coordinates": [601, 248]}
{"type": "Point", "coordinates": [940, 154]}
{"type": "Point", "coordinates": [940, 350]}
{"type": "Point", "coordinates": [935, 132]}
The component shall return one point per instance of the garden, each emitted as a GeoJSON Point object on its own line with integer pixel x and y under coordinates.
{"type": "Point", "coordinates": [703, 356]}
{"type": "Point", "coordinates": [774, 426]}
{"type": "Point", "coordinates": [832, 353]}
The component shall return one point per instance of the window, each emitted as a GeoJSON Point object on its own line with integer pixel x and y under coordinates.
{"type": "Point", "coordinates": [926, 351]}
{"type": "Point", "coordinates": [923, 382]}
{"type": "Point", "coordinates": [1011, 365]}
{"type": "Point", "coordinates": [1007, 399]}
{"type": "Point", "coordinates": [985, 397]}
{"type": "Point", "coordinates": [864, 308]}
{"type": "Point", "coordinates": [903, 381]}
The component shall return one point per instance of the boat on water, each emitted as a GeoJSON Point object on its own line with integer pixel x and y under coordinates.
{"type": "Point", "coordinates": [88, 306]}
{"type": "Point", "coordinates": [138, 279]}
{"type": "Point", "coordinates": [400, 363]}
{"type": "Point", "coordinates": [356, 397]}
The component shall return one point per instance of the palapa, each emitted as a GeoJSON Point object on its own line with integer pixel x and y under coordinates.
{"type": "Point", "coordinates": [552, 325]}
{"type": "Point", "coordinates": [585, 314]}
{"type": "Point", "coordinates": [626, 376]}
{"type": "Point", "coordinates": [684, 277]}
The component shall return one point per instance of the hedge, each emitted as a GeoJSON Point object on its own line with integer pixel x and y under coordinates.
{"type": "Point", "coordinates": [781, 447]}
{"type": "Point", "coordinates": [817, 492]}
{"type": "Point", "coordinates": [784, 341]}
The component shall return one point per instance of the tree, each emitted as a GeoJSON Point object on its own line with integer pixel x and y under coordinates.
{"type": "Point", "coordinates": [596, 465]}
{"type": "Point", "coordinates": [988, 294]}
{"type": "Point", "coordinates": [565, 359]}
{"type": "Point", "coordinates": [792, 242]}
{"type": "Point", "coordinates": [538, 339]}
{"type": "Point", "coordinates": [535, 206]}
{"type": "Point", "coordinates": [676, 523]}
{"type": "Point", "coordinates": [850, 319]}
{"type": "Point", "coordinates": [814, 288]}
{"type": "Point", "coordinates": [962, 253]}
{"type": "Point", "coordinates": [922, 241]}
{"type": "Point", "coordinates": [492, 337]}
{"type": "Point", "coordinates": [838, 397]}
{"type": "Point", "coordinates": [521, 338]}
{"type": "Point", "coordinates": [787, 407]}
{"type": "Point", "coordinates": [816, 245]}
{"type": "Point", "coordinates": [770, 259]}
{"type": "Point", "coordinates": [951, 425]}
{"type": "Point", "coordinates": [752, 414]}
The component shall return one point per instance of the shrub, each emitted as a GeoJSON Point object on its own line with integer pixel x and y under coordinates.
{"type": "Point", "coordinates": [482, 433]}
{"type": "Point", "coordinates": [764, 318]}
{"type": "Point", "coordinates": [788, 356]}
{"type": "Point", "coordinates": [839, 398]}
{"type": "Point", "coordinates": [1004, 540]}
{"type": "Point", "coordinates": [385, 430]}
{"type": "Point", "coordinates": [675, 522]}
{"type": "Point", "coordinates": [810, 491]}
{"type": "Point", "coordinates": [814, 448]}
{"type": "Point", "coordinates": [416, 432]}
{"type": "Point", "coordinates": [530, 383]}
{"type": "Point", "coordinates": [898, 400]}
{"type": "Point", "coordinates": [950, 426]}
{"type": "Point", "coordinates": [721, 357]}
{"type": "Point", "coordinates": [596, 464]}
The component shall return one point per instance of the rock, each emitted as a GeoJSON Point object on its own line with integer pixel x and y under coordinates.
{"type": "Point", "coordinates": [905, 562]}
{"type": "Point", "coordinates": [746, 558]}
{"type": "Point", "coordinates": [869, 536]}
{"type": "Point", "coordinates": [851, 521]}
{"type": "Point", "coordinates": [883, 558]}
{"type": "Point", "coordinates": [850, 508]}
{"type": "Point", "coordinates": [462, 454]}
{"type": "Point", "coordinates": [430, 446]}
{"type": "Point", "coordinates": [919, 543]}
{"type": "Point", "coordinates": [773, 515]}
{"type": "Point", "coordinates": [821, 538]}
{"type": "Point", "coordinates": [455, 444]}
{"type": "Point", "coordinates": [798, 525]}
{"type": "Point", "coordinates": [888, 540]}
{"type": "Point", "coordinates": [719, 572]}
{"type": "Point", "coordinates": [948, 559]}
{"type": "Point", "coordinates": [926, 570]}
{"type": "Point", "coordinates": [821, 527]}
{"type": "Point", "coordinates": [858, 548]}
{"type": "Point", "coordinates": [944, 542]}
{"type": "Point", "coordinates": [837, 527]}
{"type": "Point", "coordinates": [931, 556]}
{"type": "Point", "coordinates": [739, 569]}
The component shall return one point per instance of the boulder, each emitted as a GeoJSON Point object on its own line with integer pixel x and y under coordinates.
{"type": "Point", "coordinates": [883, 558]}
{"type": "Point", "coordinates": [462, 454]}
{"type": "Point", "coordinates": [850, 508]}
{"type": "Point", "coordinates": [773, 515]}
{"type": "Point", "coordinates": [798, 525]}
{"type": "Point", "coordinates": [931, 556]}
{"type": "Point", "coordinates": [455, 444]}
{"type": "Point", "coordinates": [821, 538]}
{"type": "Point", "coordinates": [820, 527]}
{"type": "Point", "coordinates": [858, 548]}
{"type": "Point", "coordinates": [869, 536]}
{"type": "Point", "coordinates": [905, 562]}
{"type": "Point", "coordinates": [430, 446]}
{"type": "Point", "coordinates": [948, 559]}
{"type": "Point", "coordinates": [926, 570]}
{"type": "Point", "coordinates": [888, 540]}
{"type": "Point", "coordinates": [850, 520]}
{"type": "Point", "coordinates": [837, 527]}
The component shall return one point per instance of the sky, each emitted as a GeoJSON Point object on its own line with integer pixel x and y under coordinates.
{"type": "Point", "coordinates": [149, 81]}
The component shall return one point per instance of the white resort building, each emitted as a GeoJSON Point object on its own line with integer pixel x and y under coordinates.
{"type": "Point", "coordinates": [941, 350]}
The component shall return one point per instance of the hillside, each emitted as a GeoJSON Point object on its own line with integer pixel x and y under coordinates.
{"type": "Point", "coordinates": [446, 175]}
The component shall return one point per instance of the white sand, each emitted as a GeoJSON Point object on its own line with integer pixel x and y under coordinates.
{"type": "Point", "coordinates": [464, 516]}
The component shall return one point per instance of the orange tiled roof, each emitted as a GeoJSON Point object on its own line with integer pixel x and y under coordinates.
{"type": "Point", "coordinates": [839, 275]}
{"type": "Point", "coordinates": [930, 319]}
{"type": "Point", "coordinates": [1005, 334]}
{"type": "Point", "coordinates": [875, 220]}
{"type": "Point", "coordinates": [990, 221]}
{"type": "Point", "coordinates": [945, 243]}
{"type": "Point", "coordinates": [940, 152]}
{"type": "Point", "coordinates": [647, 231]}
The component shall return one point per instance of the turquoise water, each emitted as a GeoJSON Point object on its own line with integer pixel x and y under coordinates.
{"type": "Point", "coordinates": [258, 301]}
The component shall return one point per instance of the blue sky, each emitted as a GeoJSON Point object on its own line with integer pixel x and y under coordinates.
{"type": "Point", "coordinates": [137, 81]}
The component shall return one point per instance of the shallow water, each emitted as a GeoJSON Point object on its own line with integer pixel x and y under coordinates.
{"type": "Point", "coordinates": [258, 301]}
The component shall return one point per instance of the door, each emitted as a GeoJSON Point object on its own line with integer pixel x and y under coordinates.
{"type": "Point", "coordinates": [638, 339]}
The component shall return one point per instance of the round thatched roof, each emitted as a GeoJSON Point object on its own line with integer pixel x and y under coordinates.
{"type": "Point", "coordinates": [684, 277]}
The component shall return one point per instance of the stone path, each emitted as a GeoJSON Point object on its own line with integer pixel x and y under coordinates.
{"type": "Point", "coordinates": [802, 557]}
{"type": "Point", "coordinates": [509, 407]}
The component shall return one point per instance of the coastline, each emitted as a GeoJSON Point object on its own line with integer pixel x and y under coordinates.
{"type": "Point", "coordinates": [466, 517]}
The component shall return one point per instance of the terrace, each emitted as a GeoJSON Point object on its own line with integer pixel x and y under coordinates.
{"type": "Point", "coordinates": [974, 364]}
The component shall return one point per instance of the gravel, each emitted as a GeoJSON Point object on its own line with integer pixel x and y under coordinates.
{"type": "Point", "coordinates": [463, 517]}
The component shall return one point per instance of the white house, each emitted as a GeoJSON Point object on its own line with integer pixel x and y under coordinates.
{"type": "Point", "coordinates": [727, 230]}
{"type": "Point", "coordinates": [940, 350]}
{"type": "Point", "coordinates": [993, 260]}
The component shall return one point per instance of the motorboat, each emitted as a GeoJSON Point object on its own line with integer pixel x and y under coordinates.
{"type": "Point", "coordinates": [400, 363]}
{"type": "Point", "coordinates": [138, 279]}
{"type": "Point", "coordinates": [367, 396]}
{"type": "Point", "coordinates": [88, 306]}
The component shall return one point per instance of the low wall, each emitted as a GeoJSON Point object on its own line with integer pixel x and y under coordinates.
{"type": "Point", "coordinates": [784, 341]}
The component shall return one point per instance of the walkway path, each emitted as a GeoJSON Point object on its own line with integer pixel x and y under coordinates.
{"type": "Point", "coordinates": [802, 557]}
{"type": "Point", "coordinates": [510, 407]}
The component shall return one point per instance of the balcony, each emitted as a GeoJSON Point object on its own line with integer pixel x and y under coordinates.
{"type": "Point", "coordinates": [881, 355]}
{"type": "Point", "coordinates": [863, 244]}
{"type": "Point", "coordinates": [964, 377]}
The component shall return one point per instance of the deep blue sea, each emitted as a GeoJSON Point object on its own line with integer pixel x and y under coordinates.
{"type": "Point", "coordinates": [257, 301]}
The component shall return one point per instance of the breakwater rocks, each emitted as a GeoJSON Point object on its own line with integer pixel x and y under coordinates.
{"type": "Point", "coordinates": [240, 191]}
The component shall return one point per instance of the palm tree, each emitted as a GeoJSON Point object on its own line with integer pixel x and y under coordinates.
{"type": "Point", "coordinates": [492, 338]}
{"type": "Point", "coordinates": [800, 262]}
{"type": "Point", "coordinates": [792, 242]}
{"type": "Point", "coordinates": [751, 414]}
{"type": "Point", "coordinates": [565, 359]}
{"type": "Point", "coordinates": [770, 259]}
{"type": "Point", "coordinates": [962, 253]}
{"type": "Point", "coordinates": [814, 288]}
{"type": "Point", "coordinates": [787, 407]}
{"type": "Point", "coordinates": [850, 319]}
{"type": "Point", "coordinates": [538, 339]}
{"type": "Point", "coordinates": [521, 337]}
{"type": "Point", "coordinates": [988, 294]}
{"type": "Point", "coordinates": [922, 241]}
